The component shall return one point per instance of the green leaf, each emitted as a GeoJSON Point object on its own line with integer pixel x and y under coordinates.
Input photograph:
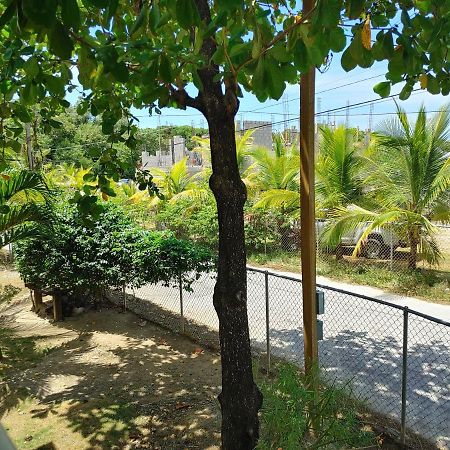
{"type": "Point", "coordinates": [8, 14]}
{"type": "Point", "coordinates": [140, 20]}
{"type": "Point", "coordinates": [165, 71]}
{"type": "Point", "coordinates": [42, 12]}
{"type": "Point", "coordinates": [347, 61]}
{"type": "Point", "coordinates": [112, 8]}
{"type": "Point", "coordinates": [300, 56]}
{"type": "Point", "coordinates": [70, 14]}
{"type": "Point", "coordinates": [337, 39]}
{"type": "Point", "coordinates": [187, 13]}
{"type": "Point", "coordinates": [383, 89]}
{"type": "Point", "coordinates": [59, 42]}
{"type": "Point", "coordinates": [31, 67]}
{"type": "Point", "coordinates": [406, 91]}
{"type": "Point", "coordinates": [433, 85]}
{"type": "Point", "coordinates": [21, 113]}
{"type": "Point", "coordinates": [354, 8]}
{"type": "Point", "coordinates": [120, 72]}
{"type": "Point", "coordinates": [229, 4]}
{"type": "Point", "coordinates": [154, 17]}
{"type": "Point", "coordinates": [97, 3]}
{"type": "Point", "coordinates": [55, 85]}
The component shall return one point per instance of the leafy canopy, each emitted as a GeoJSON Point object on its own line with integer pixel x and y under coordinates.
{"type": "Point", "coordinates": [149, 54]}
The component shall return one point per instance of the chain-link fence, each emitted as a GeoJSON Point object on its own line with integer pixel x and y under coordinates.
{"type": "Point", "coordinates": [395, 359]}
{"type": "Point", "coordinates": [384, 248]}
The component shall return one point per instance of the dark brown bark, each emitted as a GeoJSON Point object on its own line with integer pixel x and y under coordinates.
{"type": "Point", "coordinates": [240, 398]}
{"type": "Point", "coordinates": [57, 307]}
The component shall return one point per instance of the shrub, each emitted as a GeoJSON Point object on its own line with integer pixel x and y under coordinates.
{"type": "Point", "coordinates": [191, 219]}
{"type": "Point", "coordinates": [291, 408]}
{"type": "Point", "coordinates": [80, 260]}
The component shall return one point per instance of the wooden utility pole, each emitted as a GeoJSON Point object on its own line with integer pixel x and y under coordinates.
{"type": "Point", "coordinates": [307, 217]}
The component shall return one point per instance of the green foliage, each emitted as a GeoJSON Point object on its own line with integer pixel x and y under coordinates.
{"type": "Point", "coordinates": [8, 292]}
{"type": "Point", "coordinates": [410, 183]}
{"type": "Point", "coordinates": [80, 260]}
{"type": "Point", "coordinates": [143, 55]}
{"type": "Point", "coordinates": [339, 169]}
{"type": "Point", "coordinates": [290, 408]}
{"type": "Point", "coordinates": [24, 200]}
{"type": "Point", "coordinates": [190, 218]}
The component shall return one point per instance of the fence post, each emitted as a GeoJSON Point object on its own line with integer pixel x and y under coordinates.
{"type": "Point", "coordinates": [182, 324]}
{"type": "Point", "coordinates": [266, 282]}
{"type": "Point", "coordinates": [404, 376]}
{"type": "Point", "coordinates": [392, 254]}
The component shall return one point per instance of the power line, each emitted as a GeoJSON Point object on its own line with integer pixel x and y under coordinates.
{"type": "Point", "coordinates": [354, 105]}
{"type": "Point", "coordinates": [319, 92]}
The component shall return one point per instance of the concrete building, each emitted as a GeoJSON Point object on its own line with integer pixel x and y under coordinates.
{"type": "Point", "coordinates": [167, 157]}
{"type": "Point", "coordinates": [262, 132]}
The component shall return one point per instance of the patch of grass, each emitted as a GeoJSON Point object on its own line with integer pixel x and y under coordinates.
{"type": "Point", "coordinates": [98, 424]}
{"type": "Point", "coordinates": [431, 285]}
{"type": "Point", "coordinates": [17, 353]}
{"type": "Point", "coordinates": [291, 411]}
{"type": "Point", "coordinates": [8, 292]}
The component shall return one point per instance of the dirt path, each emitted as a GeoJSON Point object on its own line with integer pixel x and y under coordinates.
{"type": "Point", "coordinates": [111, 381]}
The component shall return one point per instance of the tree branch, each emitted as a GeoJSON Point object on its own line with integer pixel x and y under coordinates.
{"type": "Point", "coordinates": [183, 99]}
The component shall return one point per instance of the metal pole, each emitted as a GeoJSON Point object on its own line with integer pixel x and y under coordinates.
{"type": "Point", "coordinates": [124, 296]}
{"type": "Point", "coordinates": [392, 252]}
{"type": "Point", "coordinates": [307, 216]}
{"type": "Point", "coordinates": [182, 322]}
{"type": "Point", "coordinates": [404, 376]}
{"type": "Point", "coordinates": [266, 279]}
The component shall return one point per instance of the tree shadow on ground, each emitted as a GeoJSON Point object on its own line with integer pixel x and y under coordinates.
{"type": "Point", "coordinates": [122, 385]}
{"type": "Point", "coordinates": [373, 368]}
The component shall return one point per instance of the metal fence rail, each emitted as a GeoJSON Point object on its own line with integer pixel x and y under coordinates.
{"type": "Point", "coordinates": [397, 360]}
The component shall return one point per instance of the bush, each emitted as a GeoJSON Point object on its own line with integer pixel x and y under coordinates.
{"type": "Point", "coordinates": [291, 409]}
{"type": "Point", "coordinates": [191, 219]}
{"type": "Point", "coordinates": [83, 261]}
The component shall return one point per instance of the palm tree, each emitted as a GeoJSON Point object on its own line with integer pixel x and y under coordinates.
{"type": "Point", "coordinates": [411, 177]}
{"type": "Point", "coordinates": [177, 183]}
{"type": "Point", "coordinates": [339, 169]}
{"type": "Point", "coordinates": [243, 146]}
{"type": "Point", "coordinates": [23, 199]}
{"type": "Point", "coordinates": [276, 174]}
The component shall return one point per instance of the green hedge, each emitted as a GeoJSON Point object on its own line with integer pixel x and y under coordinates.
{"type": "Point", "coordinates": [77, 259]}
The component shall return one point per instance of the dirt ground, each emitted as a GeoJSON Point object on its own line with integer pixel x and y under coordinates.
{"type": "Point", "coordinates": [107, 380]}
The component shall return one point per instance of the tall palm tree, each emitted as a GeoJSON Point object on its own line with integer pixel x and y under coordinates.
{"type": "Point", "coordinates": [339, 169]}
{"type": "Point", "coordinates": [24, 196]}
{"type": "Point", "coordinates": [177, 183]}
{"type": "Point", "coordinates": [411, 176]}
{"type": "Point", "coordinates": [276, 174]}
{"type": "Point", "coordinates": [243, 146]}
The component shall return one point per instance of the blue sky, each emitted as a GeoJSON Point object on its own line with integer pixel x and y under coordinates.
{"type": "Point", "coordinates": [337, 95]}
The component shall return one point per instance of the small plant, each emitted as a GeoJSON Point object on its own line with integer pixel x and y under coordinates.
{"type": "Point", "coordinates": [8, 292]}
{"type": "Point", "coordinates": [295, 417]}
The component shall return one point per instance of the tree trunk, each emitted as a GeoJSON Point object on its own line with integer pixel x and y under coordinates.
{"type": "Point", "coordinates": [38, 303]}
{"type": "Point", "coordinates": [57, 307]}
{"type": "Point", "coordinates": [240, 398]}
{"type": "Point", "coordinates": [413, 243]}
